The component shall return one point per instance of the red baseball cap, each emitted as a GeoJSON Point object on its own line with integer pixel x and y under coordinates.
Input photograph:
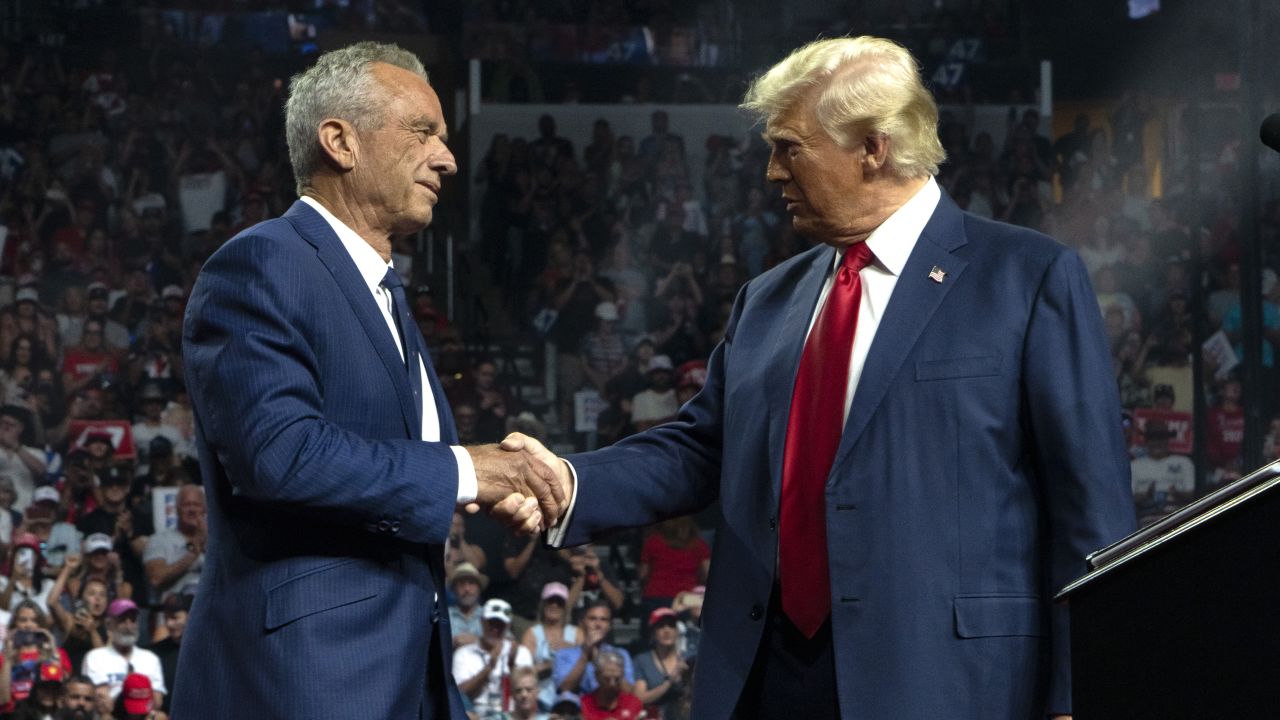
{"type": "Point", "coordinates": [137, 694]}
{"type": "Point", "coordinates": [662, 613]}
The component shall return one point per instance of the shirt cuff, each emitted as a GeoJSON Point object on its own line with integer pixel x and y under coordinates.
{"type": "Point", "coordinates": [468, 486]}
{"type": "Point", "coordinates": [555, 535]}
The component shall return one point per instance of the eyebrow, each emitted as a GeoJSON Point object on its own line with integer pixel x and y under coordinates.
{"type": "Point", "coordinates": [425, 122]}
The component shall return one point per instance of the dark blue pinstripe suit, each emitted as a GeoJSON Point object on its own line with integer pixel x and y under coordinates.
{"type": "Point", "coordinates": [326, 516]}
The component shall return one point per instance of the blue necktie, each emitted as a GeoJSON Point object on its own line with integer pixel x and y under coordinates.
{"type": "Point", "coordinates": [404, 324]}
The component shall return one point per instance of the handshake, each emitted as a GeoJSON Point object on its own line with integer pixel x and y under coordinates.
{"type": "Point", "coordinates": [521, 483]}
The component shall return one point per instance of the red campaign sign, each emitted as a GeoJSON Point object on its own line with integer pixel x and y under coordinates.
{"type": "Point", "coordinates": [120, 431]}
{"type": "Point", "coordinates": [1178, 421]}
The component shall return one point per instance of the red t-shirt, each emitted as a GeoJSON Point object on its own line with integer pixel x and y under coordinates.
{"type": "Point", "coordinates": [1226, 435]}
{"type": "Point", "coordinates": [671, 570]}
{"type": "Point", "coordinates": [628, 707]}
{"type": "Point", "coordinates": [83, 364]}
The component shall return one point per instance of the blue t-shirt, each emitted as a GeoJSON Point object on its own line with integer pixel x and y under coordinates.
{"type": "Point", "coordinates": [566, 658]}
{"type": "Point", "coordinates": [1231, 323]}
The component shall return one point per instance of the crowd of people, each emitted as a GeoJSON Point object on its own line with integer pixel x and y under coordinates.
{"type": "Point", "coordinates": [121, 172]}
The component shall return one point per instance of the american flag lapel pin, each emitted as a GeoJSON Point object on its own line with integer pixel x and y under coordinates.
{"type": "Point", "coordinates": [937, 274]}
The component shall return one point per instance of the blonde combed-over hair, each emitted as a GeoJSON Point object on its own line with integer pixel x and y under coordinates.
{"type": "Point", "coordinates": [866, 85]}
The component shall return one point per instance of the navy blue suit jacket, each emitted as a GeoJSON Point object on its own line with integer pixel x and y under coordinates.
{"type": "Point", "coordinates": [981, 461]}
{"type": "Point", "coordinates": [327, 515]}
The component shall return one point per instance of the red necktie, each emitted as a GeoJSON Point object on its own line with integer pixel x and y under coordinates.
{"type": "Point", "coordinates": [813, 434]}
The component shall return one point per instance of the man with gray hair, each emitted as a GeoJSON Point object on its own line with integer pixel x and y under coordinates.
{"type": "Point", "coordinates": [610, 699]}
{"type": "Point", "coordinates": [330, 459]}
{"type": "Point", "coordinates": [942, 452]}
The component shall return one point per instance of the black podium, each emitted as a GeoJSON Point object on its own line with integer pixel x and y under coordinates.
{"type": "Point", "coordinates": [1182, 618]}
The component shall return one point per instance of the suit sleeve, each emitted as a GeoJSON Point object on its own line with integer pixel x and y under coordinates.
{"type": "Point", "coordinates": [1080, 456]}
{"type": "Point", "coordinates": [255, 386]}
{"type": "Point", "coordinates": [667, 471]}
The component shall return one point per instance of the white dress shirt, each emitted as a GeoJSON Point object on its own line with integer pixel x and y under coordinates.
{"type": "Point", "coordinates": [891, 243]}
{"type": "Point", "coordinates": [373, 268]}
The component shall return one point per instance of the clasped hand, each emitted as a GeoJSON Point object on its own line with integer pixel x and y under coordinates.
{"type": "Point", "coordinates": [521, 483]}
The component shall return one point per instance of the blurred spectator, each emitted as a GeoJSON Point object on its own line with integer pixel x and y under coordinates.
{"type": "Point", "coordinates": [549, 148]}
{"type": "Point", "coordinates": [63, 538]}
{"type": "Point", "coordinates": [524, 697]}
{"type": "Point", "coordinates": [465, 418]}
{"type": "Point", "coordinates": [138, 698]}
{"type": "Point", "coordinates": [175, 556]}
{"type": "Point", "coordinates": [114, 336]}
{"type": "Point", "coordinates": [592, 581]}
{"type": "Point", "coordinates": [529, 566]}
{"type": "Point", "coordinates": [1225, 426]}
{"type": "Point", "coordinates": [548, 636]}
{"type": "Point", "coordinates": [79, 491]}
{"type": "Point", "coordinates": [574, 669]}
{"type": "Point", "coordinates": [483, 669]}
{"type": "Point", "coordinates": [610, 699]}
{"type": "Point", "coordinates": [690, 377]}
{"type": "Point", "coordinates": [121, 656]}
{"type": "Point", "coordinates": [575, 302]}
{"type": "Point", "coordinates": [674, 559]}
{"type": "Point", "coordinates": [10, 517]}
{"type": "Point", "coordinates": [78, 700]}
{"type": "Point", "coordinates": [174, 612]}
{"type": "Point", "coordinates": [459, 550]}
{"type": "Point", "coordinates": [688, 608]}
{"type": "Point", "coordinates": [467, 584]}
{"type": "Point", "coordinates": [604, 355]}
{"type": "Point", "coordinates": [89, 363]}
{"type": "Point", "coordinates": [492, 402]}
{"type": "Point", "coordinates": [103, 701]}
{"type": "Point", "coordinates": [657, 403]}
{"type": "Point", "coordinates": [1162, 481]}
{"type": "Point", "coordinates": [84, 627]}
{"type": "Point", "coordinates": [25, 579]}
{"type": "Point", "coordinates": [631, 282]}
{"type": "Point", "coordinates": [566, 707]}
{"type": "Point", "coordinates": [19, 460]}
{"type": "Point", "coordinates": [46, 696]}
{"type": "Point", "coordinates": [659, 138]}
{"type": "Point", "coordinates": [662, 675]}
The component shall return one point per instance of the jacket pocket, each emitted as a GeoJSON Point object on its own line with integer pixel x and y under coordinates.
{"type": "Point", "coordinates": [324, 588]}
{"type": "Point", "coordinates": [951, 368]}
{"type": "Point", "coordinates": [999, 616]}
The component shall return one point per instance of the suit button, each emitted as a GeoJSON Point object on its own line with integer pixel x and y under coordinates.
{"type": "Point", "coordinates": [383, 525]}
{"type": "Point", "coordinates": [395, 526]}
{"type": "Point", "coordinates": [757, 612]}
{"type": "Point", "coordinates": [773, 524]}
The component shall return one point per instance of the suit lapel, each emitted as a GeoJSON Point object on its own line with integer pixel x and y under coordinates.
{"type": "Point", "coordinates": [315, 230]}
{"type": "Point", "coordinates": [916, 297]}
{"type": "Point", "coordinates": [786, 354]}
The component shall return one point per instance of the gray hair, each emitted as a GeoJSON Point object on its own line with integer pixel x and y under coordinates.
{"type": "Point", "coordinates": [609, 657]}
{"type": "Point", "coordinates": [340, 85]}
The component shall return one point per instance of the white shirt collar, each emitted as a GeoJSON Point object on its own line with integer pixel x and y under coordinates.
{"type": "Point", "coordinates": [896, 237]}
{"type": "Point", "coordinates": [367, 260]}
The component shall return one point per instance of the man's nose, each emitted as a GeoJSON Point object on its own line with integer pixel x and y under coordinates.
{"type": "Point", "coordinates": [443, 161]}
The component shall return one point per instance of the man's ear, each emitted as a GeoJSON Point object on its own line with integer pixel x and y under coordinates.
{"type": "Point", "coordinates": [339, 143]}
{"type": "Point", "coordinates": [877, 151]}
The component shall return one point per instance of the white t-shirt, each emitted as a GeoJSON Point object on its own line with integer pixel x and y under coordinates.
{"type": "Point", "coordinates": [470, 659]}
{"type": "Point", "coordinates": [24, 482]}
{"type": "Point", "coordinates": [107, 665]}
{"type": "Point", "coordinates": [1172, 473]}
{"type": "Point", "coordinates": [40, 597]}
{"type": "Point", "coordinates": [650, 405]}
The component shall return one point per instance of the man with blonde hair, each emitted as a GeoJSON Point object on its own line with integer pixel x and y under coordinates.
{"type": "Point", "coordinates": [942, 452]}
